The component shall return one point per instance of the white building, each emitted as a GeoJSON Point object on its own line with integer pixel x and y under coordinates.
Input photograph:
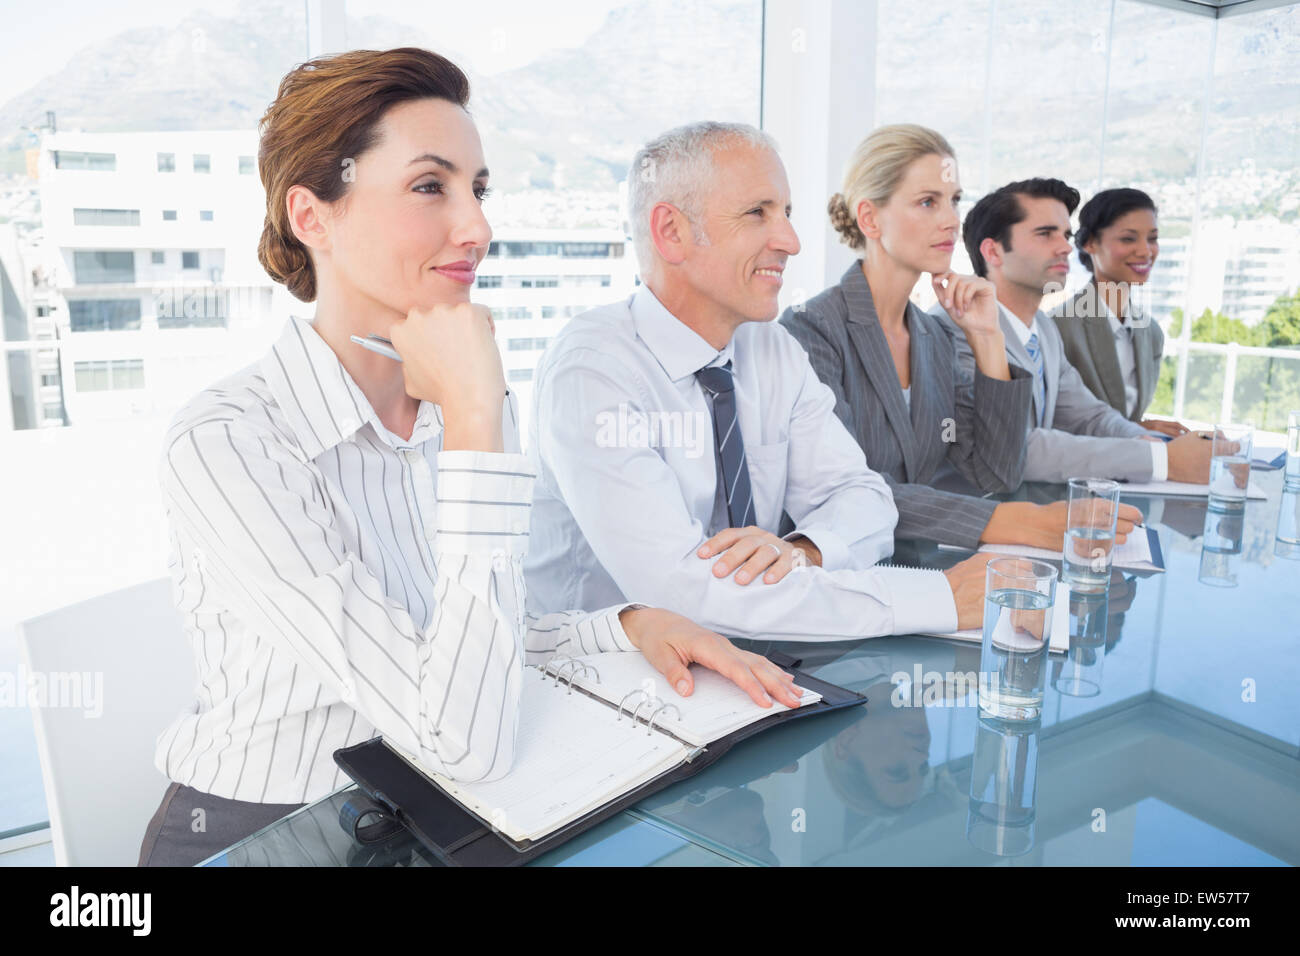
{"type": "Point", "coordinates": [535, 280]}
{"type": "Point", "coordinates": [1240, 268]}
{"type": "Point", "coordinates": [153, 247]}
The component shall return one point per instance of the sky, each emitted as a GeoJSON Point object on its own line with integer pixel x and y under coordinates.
{"type": "Point", "coordinates": [50, 32]}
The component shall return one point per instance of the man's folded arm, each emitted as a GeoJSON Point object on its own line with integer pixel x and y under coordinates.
{"type": "Point", "coordinates": [629, 505]}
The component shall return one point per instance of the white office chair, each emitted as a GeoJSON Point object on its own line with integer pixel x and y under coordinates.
{"type": "Point", "coordinates": [101, 785]}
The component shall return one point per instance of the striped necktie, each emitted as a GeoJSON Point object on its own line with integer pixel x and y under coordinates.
{"type": "Point", "coordinates": [1040, 384]}
{"type": "Point", "coordinates": [733, 473]}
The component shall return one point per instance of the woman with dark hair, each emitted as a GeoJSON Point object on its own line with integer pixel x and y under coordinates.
{"type": "Point", "coordinates": [347, 531]}
{"type": "Point", "coordinates": [1109, 337]}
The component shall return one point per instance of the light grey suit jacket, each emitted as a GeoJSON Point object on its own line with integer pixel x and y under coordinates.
{"type": "Point", "coordinates": [972, 422]}
{"type": "Point", "coordinates": [1090, 347]}
{"type": "Point", "coordinates": [1083, 436]}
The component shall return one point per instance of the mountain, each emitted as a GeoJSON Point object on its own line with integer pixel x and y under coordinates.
{"type": "Point", "coordinates": [572, 118]}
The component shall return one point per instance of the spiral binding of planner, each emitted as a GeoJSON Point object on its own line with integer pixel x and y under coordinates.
{"type": "Point", "coordinates": [653, 704]}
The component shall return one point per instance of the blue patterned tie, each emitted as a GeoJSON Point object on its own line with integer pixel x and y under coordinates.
{"type": "Point", "coordinates": [730, 447]}
{"type": "Point", "coordinates": [1040, 384]}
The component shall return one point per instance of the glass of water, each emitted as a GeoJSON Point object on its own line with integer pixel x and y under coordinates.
{"type": "Point", "coordinates": [1221, 542]}
{"type": "Point", "coordinates": [1018, 597]}
{"type": "Point", "coordinates": [1090, 533]}
{"type": "Point", "coordinates": [1292, 476]}
{"type": "Point", "coordinates": [1230, 466]}
{"type": "Point", "coordinates": [1003, 786]}
{"type": "Point", "coordinates": [1288, 524]}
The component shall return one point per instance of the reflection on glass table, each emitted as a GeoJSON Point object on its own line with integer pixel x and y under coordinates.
{"type": "Point", "coordinates": [314, 836]}
{"type": "Point", "coordinates": [1169, 733]}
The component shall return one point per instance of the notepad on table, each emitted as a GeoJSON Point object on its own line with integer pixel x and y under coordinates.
{"type": "Point", "coordinates": [1140, 552]}
{"type": "Point", "coordinates": [1180, 488]}
{"type": "Point", "coordinates": [578, 749]}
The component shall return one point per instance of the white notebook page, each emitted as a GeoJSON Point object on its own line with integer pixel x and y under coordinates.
{"type": "Point", "coordinates": [571, 756]}
{"type": "Point", "coordinates": [715, 708]}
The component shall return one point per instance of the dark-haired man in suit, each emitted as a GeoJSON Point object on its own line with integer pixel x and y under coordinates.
{"type": "Point", "coordinates": [1018, 237]}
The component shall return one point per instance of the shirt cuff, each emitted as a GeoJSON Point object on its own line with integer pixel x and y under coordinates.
{"type": "Point", "coordinates": [835, 553]}
{"type": "Point", "coordinates": [922, 601]}
{"type": "Point", "coordinates": [1159, 461]}
{"type": "Point", "coordinates": [621, 640]}
{"type": "Point", "coordinates": [484, 502]}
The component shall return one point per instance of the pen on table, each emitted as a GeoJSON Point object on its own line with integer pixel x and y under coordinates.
{"type": "Point", "coordinates": [377, 343]}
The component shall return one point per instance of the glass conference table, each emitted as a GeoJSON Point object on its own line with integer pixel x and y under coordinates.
{"type": "Point", "coordinates": [1170, 736]}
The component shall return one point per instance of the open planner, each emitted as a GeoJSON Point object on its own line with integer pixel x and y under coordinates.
{"type": "Point", "coordinates": [596, 734]}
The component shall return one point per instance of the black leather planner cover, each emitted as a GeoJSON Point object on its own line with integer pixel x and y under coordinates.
{"type": "Point", "coordinates": [458, 837]}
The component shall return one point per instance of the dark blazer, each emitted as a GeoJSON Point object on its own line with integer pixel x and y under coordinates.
{"type": "Point", "coordinates": [977, 426]}
{"type": "Point", "coordinates": [1090, 347]}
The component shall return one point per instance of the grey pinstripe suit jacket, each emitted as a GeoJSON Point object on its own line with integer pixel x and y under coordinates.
{"type": "Point", "coordinates": [841, 333]}
{"type": "Point", "coordinates": [1083, 435]}
{"type": "Point", "coordinates": [1090, 347]}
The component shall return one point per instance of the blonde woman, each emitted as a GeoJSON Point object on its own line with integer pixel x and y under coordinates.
{"type": "Point", "coordinates": [894, 369]}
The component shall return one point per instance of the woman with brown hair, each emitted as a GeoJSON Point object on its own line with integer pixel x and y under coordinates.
{"type": "Point", "coordinates": [347, 531]}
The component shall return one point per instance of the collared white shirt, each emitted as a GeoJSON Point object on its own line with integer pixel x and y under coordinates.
{"type": "Point", "coordinates": [622, 441]}
{"type": "Point", "coordinates": [337, 581]}
{"type": "Point", "coordinates": [1123, 335]}
{"type": "Point", "coordinates": [1159, 453]}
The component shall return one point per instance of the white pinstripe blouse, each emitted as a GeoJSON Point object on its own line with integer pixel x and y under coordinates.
{"type": "Point", "coordinates": [338, 582]}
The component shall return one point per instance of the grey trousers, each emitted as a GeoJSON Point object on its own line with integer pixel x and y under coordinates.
{"type": "Point", "coordinates": [171, 838]}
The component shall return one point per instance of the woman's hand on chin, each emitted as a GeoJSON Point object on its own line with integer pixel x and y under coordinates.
{"type": "Point", "coordinates": [971, 301]}
{"type": "Point", "coordinates": [450, 358]}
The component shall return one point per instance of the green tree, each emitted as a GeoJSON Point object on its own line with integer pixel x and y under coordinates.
{"type": "Point", "coordinates": [1281, 325]}
{"type": "Point", "coordinates": [1266, 388]}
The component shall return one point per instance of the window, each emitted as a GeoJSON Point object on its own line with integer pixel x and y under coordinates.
{"type": "Point", "coordinates": [103, 315]}
{"type": "Point", "coordinates": [202, 163]}
{"type": "Point", "coordinates": [166, 162]}
{"type": "Point", "coordinates": [192, 309]}
{"type": "Point", "coordinates": [97, 162]}
{"type": "Point", "coordinates": [42, 311]}
{"type": "Point", "coordinates": [489, 282]}
{"type": "Point", "coordinates": [106, 217]}
{"type": "Point", "coordinates": [525, 345]}
{"type": "Point", "coordinates": [169, 215]}
{"type": "Point", "coordinates": [593, 281]}
{"type": "Point", "coordinates": [157, 257]}
{"type": "Point", "coordinates": [109, 375]}
{"type": "Point", "coordinates": [247, 165]}
{"type": "Point", "coordinates": [205, 215]}
{"type": "Point", "coordinates": [566, 250]}
{"type": "Point", "coordinates": [49, 379]}
{"type": "Point", "coordinates": [538, 282]}
{"type": "Point", "coordinates": [189, 260]}
{"type": "Point", "coordinates": [518, 312]}
{"type": "Point", "coordinates": [520, 375]}
{"type": "Point", "coordinates": [101, 267]}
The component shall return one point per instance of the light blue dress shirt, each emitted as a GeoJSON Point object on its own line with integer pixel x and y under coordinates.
{"type": "Point", "coordinates": [626, 486]}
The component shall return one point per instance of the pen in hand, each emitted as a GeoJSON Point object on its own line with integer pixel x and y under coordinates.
{"type": "Point", "coordinates": [379, 344]}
